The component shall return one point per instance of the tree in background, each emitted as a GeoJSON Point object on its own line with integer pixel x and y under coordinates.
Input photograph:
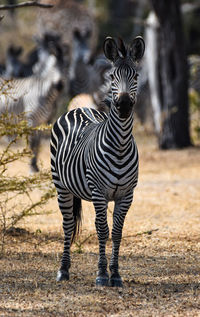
{"type": "Point", "coordinates": [174, 76]}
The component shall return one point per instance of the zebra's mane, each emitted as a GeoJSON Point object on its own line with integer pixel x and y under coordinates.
{"type": "Point", "coordinates": [125, 52]}
{"type": "Point", "coordinates": [121, 47]}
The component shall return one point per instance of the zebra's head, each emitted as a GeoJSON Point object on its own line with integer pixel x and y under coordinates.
{"type": "Point", "coordinates": [13, 62]}
{"type": "Point", "coordinates": [50, 46]}
{"type": "Point", "coordinates": [81, 45]}
{"type": "Point", "coordinates": [124, 72]}
{"type": "Point", "coordinates": [50, 62]}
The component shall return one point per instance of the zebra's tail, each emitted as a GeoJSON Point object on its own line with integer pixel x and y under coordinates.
{"type": "Point", "coordinates": [77, 217]}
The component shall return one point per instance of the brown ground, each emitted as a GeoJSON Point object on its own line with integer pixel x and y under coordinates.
{"type": "Point", "coordinates": [160, 270]}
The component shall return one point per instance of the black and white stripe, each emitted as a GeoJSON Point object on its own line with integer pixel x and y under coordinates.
{"type": "Point", "coordinates": [94, 157]}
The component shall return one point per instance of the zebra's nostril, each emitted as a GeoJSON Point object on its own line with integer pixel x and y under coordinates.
{"type": "Point", "coordinates": [124, 105]}
{"type": "Point", "coordinates": [125, 100]}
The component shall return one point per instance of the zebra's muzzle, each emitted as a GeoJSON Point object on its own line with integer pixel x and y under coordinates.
{"type": "Point", "coordinates": [124, 105]}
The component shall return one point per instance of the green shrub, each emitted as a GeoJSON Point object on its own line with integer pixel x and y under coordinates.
{"type": "Point", "coordinates": [20, 187]}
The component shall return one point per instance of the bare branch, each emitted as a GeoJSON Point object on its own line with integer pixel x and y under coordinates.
{"type": "Point", "coordinates": [34, 3]}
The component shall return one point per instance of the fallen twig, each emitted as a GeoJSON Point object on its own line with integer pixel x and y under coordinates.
{"type": "Point", "coordinates": [149, 232]}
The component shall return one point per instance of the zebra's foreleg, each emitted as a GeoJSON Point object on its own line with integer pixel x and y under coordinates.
{"type": "Point", "coordinates": [100, 205]}
{"type": "Point", "coordinates": [65, 201]}
{"type": "Point", "coordinates": [35, 140]}
{"type": "Point", "coordinates": [120, 211]}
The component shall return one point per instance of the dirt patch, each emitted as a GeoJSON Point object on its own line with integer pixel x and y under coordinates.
{"type": "Point", "coordinates": [159, 258]}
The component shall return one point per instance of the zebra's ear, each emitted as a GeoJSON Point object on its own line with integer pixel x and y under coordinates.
{"type": "Point", "coordinates": [137, 48]}
{"type": "Point", "coordinates": [110, 49]}
{"type": "Point", "coordinates": [15, 50]}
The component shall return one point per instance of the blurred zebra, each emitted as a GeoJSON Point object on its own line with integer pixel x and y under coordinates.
{"type": "Point", "coordinates": [13, 64]}
{"type": "Point", "coordinates": [76, 23]}
{"type": "Point", "coordinates": [36, 95]}
{"type": "Point", "coordinates": [68, 18]}
{"type": "Point", "coordinates": [94, 157]}
{"type": "Point", "coordinates": [80, 67]}
{"type": "Point", "coordinates": [90, 83]}
{"type": "Point", "coordinates": [14, 67]}
{"type": "Point", "coordinates": [87, 75]}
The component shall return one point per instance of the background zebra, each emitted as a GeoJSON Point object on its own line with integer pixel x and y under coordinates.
{"type": "Point", "coordinates": [88, 76]}
{"type": "Point", "coordinates": [15, 67]}
{"type": "Point", "coordinates": [90, 85]}
{"type": "Point", "coordinates": [94, 157]}
{"type": "Point", "coordinates": [67, 17]}
{"type": "Point", "coordinates": [75, 23]}
{"type": "Point", "coordinates": [36, 95]}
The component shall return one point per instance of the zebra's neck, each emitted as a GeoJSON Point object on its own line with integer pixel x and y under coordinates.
{"type": "Point", "coordinates": [119, 130]}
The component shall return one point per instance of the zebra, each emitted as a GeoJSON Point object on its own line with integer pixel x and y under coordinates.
{"type": "Point", "coordinates": [90, 84]}
{"type": "Point", "coordinates": [79, 68]}
{"type": "Point", "coordinates": [89, 76]}
{"type": "Point", "coordinates": [35, 95]}
{"type": "Point", "coordinates": [16, 68]}
{"type": "Point", "coordinates": [94, 157]}
{"type": "Point", "coordinates": [67, 17]}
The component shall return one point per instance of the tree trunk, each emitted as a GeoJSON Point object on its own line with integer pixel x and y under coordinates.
{"type": "Point", "coordinates": [174, 76]}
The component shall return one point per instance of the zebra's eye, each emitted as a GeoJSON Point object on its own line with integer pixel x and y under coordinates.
{"type": "Point", "coordinates": [112, 77]}
{"type": "Point", "coordinates": [136, 75]}
{"type": "Point", "coordinates": [115, 96]}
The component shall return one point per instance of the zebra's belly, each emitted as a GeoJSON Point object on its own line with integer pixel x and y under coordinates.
{"type": "Point", "coordinates": [114, 187]}
{"type": "Point", "coordinates": [80, 183]}
{"type": "Point", "coordinates": [117, 191]}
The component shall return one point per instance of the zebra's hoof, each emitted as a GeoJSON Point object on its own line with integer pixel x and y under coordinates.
{"type": "Point", "coordinates": [62, 276]}
{"type": "Point", "coordinates": [102, 280]}
{"type": "Point", "coordinates": [116, 281]}
{"type": "Point", "coordinates": [34, 169]}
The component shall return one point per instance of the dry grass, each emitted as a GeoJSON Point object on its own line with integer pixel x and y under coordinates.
{"type": "Point", "coordinates": [161, 270]}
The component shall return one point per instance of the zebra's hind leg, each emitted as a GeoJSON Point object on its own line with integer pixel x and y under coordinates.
{"type": "Point", "coordinates": [70, 209]}
{"type": "Point", "coordinates": [102, 229]}
{"type": "Point", "coordinates": [120, 211]}
{"type": "Point", "coordinates": [35, 140]}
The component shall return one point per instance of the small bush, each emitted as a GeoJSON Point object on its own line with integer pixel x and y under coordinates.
{"type": "Point", "coordinates": [21, 187]}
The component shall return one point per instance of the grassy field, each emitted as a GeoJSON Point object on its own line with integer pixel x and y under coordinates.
{"type": "Point", "coordinates": [159, 258]}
